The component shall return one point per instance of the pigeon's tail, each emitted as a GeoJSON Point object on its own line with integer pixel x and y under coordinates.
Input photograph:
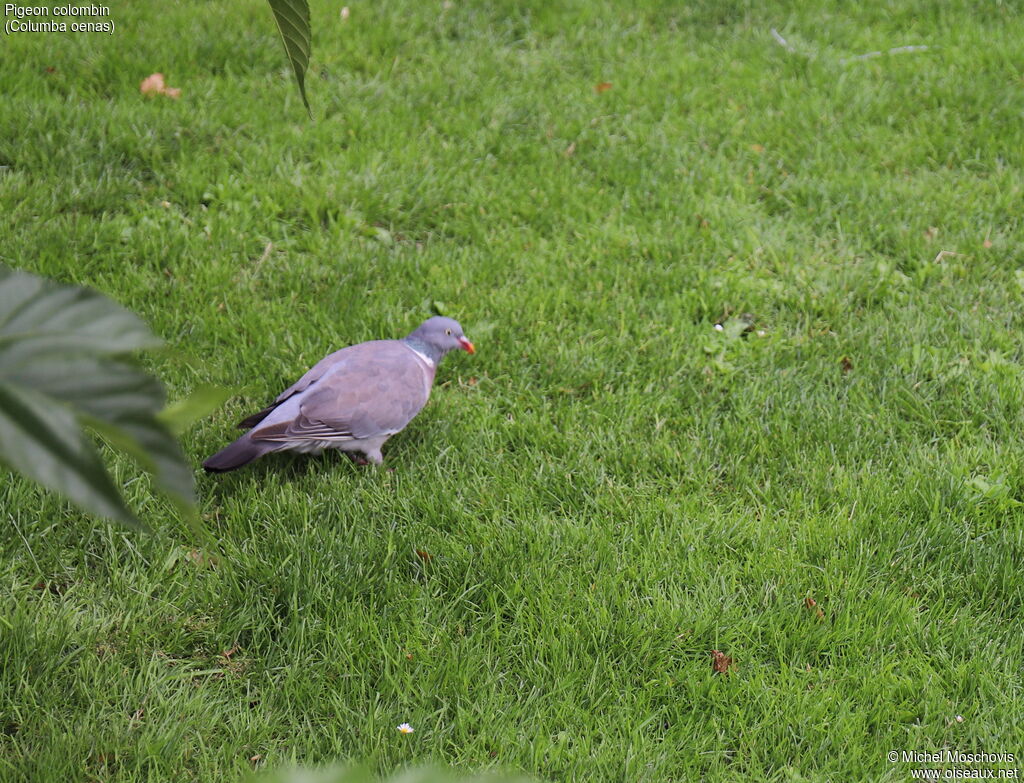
{"type": "Point", "coordinates": [241, 452]}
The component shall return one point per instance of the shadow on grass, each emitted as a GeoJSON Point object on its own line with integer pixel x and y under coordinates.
{"type": "Point", "coordinates": [287, 467]}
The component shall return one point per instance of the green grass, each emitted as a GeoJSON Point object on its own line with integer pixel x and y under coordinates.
{"type": "Point", "coordinates": [611, 488]}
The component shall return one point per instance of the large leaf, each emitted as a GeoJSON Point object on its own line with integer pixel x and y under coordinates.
{"type": "Point", "coordinates": [44, 442]}
{"type": "Point", "coordinates": [292, 17]}
{"type": "Point", "coordinates": [122, 404]}
{"type": "Point", "coordinates": [39, 319]}
{"type": "Point", "coordinates": [62, 366]}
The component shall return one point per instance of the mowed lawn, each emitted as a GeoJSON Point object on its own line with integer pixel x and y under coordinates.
{"type": "Point", "coordinates": [828, 490]}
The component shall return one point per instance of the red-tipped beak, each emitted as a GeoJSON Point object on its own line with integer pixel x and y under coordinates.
{"type": "Point", "coordinates": [467, 346]}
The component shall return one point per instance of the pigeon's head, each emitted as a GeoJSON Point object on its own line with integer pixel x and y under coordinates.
{"type": "Point", "coordinates": [441, 335]}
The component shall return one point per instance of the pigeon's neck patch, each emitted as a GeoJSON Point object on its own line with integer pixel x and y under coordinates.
{"type": "Point", "coordinates": [423, 351]}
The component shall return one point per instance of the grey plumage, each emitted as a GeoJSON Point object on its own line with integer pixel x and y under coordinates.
{"type": "Point", "coordinates": [353, 399]}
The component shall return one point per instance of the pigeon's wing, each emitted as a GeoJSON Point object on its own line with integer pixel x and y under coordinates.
{"type": "Point", "coordinates": [314, 374]}
{"type": "Point", "coordinates": [370, 393]}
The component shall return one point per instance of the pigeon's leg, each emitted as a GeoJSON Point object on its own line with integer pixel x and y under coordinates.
{"type": "Point", "coordinates": [374, 456]}
{"type": "Point", "coordinates": [356, 457]}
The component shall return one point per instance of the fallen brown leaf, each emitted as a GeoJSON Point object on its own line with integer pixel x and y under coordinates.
{"type": "Point", "coordinates": [426, 557]}
{"type": "Point", "coordinates": [846, 364]}
{"type": "Point", "coordinates": [570, 150]}
{"type": "Point", "coordinates": [154, 85]}
{"type": "Point", "coordinates": [226, 655]}
{"type": "Point", "coordinates": [720, 662]}
{"type": "Point", "coordinates": [603, 87]}
{"type": "Point", "coordinates": [758, 148]}
{"type": "Point", "coordinates": [202, 559]}
{"type": "Point", "coordinates": [987, 243]}
{"type": "Point", "coordinates": [810, 603]}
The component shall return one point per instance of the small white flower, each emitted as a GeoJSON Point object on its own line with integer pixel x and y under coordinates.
{"type": "Point", "coordinates": [719, 327]}
{"type": "Point", "coordinates": [959, 718]}
{"type": "Point", "coordinates": [344, 13]}
{"type": "Point", "coordinates": [405, 728]}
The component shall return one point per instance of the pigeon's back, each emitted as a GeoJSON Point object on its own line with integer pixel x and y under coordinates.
{"type": "Point", "coordinates": [361, 392]}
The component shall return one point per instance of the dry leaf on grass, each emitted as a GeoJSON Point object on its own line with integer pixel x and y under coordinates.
{"type": "Point", "coordinates": [846, 364]}
{"type": "Point", "coordinates": [426, 557]}
{"type": "Point", "coordinates": [810, 603]}
{"type": "Point", "coordinates": [202, 559]}
{"type": "Point", "coordinates": [603, 87]}
{"type": "Point", "coordinates": [720, 662]}
{"type": "Point", "coordinates": [154, 85]}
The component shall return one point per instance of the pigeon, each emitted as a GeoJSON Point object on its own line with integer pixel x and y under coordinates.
{"type": "Point", "coordinates": [353, 399]}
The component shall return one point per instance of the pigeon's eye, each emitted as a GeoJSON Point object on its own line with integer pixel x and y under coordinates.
{"type": "Point", "coordinates": [447, 331]}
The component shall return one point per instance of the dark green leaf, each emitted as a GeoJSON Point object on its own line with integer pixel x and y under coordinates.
{"type": "Point", "coordinates": [61, 367]}
{"type": "Point", "coordinates": [39, 318]}
{"type": "Point", "coordinates": [41, 439]}
{"type": "Point", "coordinates": [101, 387]}
{"type": "Point", "coordinates": [149, 442]}
{"type": "Point", "coordinates": [121, 403]}
{"type": "Point", "coordinates": [292, 17]}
